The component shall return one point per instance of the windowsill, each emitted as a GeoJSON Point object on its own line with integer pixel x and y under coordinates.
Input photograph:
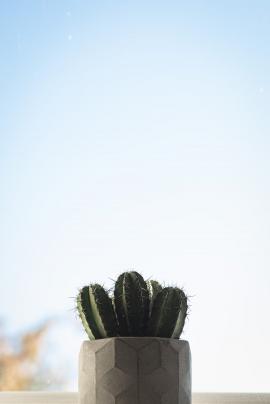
{"type": "Point", "coordinates": [28, 397]}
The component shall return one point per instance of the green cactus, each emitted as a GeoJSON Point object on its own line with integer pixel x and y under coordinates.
{"type": "Point", "coordinates": [96, 311]}
{"type": "Point", "coordinates": [181, 316]}
{"type": "Point", "coordinates": [137, 308]}
{"type": "Point", "coordinates": [83, 318]}
{"type": "Point", "coordinates": [131, 300]}
{"type": "Point", "coordinates": [168, 313]}
{"type": "Point", "coordinates": [154, 288]}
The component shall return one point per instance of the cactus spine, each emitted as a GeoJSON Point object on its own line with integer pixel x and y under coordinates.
{"type": "Point", "coordinates": [166, 313]}
{"type": "Point", "coordinates": [131, 301]}
{"type": "Point", "coordinates": [96, 311]}
{"type": "Point", "coordinates": [154, 288]}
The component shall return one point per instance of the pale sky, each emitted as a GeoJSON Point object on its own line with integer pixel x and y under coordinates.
{"type": "Point", "coordinates": [136, 136]}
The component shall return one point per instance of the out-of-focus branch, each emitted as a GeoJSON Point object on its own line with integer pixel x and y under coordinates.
{"type": "Point", "coordinates": [18, 368]}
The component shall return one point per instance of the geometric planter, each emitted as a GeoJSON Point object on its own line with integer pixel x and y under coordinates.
{"type": "Point", "coordinates": [135, 370]}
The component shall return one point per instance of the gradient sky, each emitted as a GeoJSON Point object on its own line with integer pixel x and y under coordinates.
{"type": "Point", "coordinates": [135, 135]}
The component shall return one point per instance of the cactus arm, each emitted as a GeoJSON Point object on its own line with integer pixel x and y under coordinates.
{"type": "Point", "coordinates": [96, 314]}
{"type": "Point", "coordinates": [141, 316]}
{"type": "Point", "coordinates": [158, 314]}
{"type": "Point", "coordinates": [120, 305]}
{"type": "Point", "coordinates": [154, 288]}
{"type": "Point", "coordinates": [88, 311]}
{"type": "Point", "coordinates": [181, 317]}
{"type": "Point", "coordinates": [114, 314]}
{"type": "Point", "coordinates": [96, 311]}
{"type": "Point", "coordinates": [177, 329]}
{"type": "Point", "coordinates": [131, 303]}
{"type": "Point", "coordinates": [104, 312]}
{"type": "Point", "coordinates": [165, 313]}
{"type": "Point", "coordinates": [125, 302]}
{"type": "Point", "coordinates": [83, 318]}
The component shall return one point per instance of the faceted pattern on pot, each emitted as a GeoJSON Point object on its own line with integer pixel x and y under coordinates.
{"type": "Point", "coordinates": [135, 370]}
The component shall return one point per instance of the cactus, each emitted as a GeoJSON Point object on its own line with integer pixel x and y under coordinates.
{"type": "Point", "coordinates": [167, 317]}
{"type": "Point", "coordinates": [83, 318]}
{"type": "Point", "coordinates": [137, 308]}
{"type": "Point", "coordinates": [181, 316]}
{"type": "Point", "coordinates": [154, 288]}
{"type": "Point", "coordinates": [131, 299]}
{"type": "Point", "coordinates": [96, 311]}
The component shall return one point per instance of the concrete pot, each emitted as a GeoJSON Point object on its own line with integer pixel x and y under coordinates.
{"type": "Point", "coordinates": [135, 370]}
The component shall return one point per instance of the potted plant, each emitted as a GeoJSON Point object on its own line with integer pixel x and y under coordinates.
{"type": "Point", "coordinates": [134, 354]}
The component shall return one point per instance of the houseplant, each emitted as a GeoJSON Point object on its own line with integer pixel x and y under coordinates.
{"type": "Point", "coordinates": [134, 355]}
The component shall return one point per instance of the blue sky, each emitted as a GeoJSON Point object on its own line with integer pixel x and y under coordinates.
{"type": "Point", "coordinates": [136, 135]}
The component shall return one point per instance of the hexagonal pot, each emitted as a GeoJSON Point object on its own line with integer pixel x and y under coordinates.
{"type": "Point", "coordinates": [135, 370]}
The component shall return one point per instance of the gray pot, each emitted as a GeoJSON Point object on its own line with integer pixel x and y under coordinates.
{"type": "Point", "coordinates": [135, 370]}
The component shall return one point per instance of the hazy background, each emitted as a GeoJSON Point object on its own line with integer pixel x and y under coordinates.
{"type": "Point", "coordinates": [135, 135]}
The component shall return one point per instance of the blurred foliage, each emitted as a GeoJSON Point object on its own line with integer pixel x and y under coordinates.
{"type": "Point", "coordinates": [21, 367]}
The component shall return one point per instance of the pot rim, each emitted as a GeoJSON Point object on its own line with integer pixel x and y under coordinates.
{"type": "Point", "coordinates": [140, 338]}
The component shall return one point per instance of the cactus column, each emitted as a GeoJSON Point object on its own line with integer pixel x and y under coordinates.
{"type": "Point", "coordinates": [135, 370]}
